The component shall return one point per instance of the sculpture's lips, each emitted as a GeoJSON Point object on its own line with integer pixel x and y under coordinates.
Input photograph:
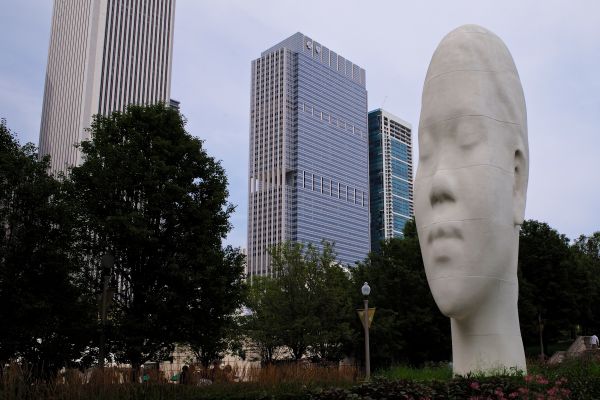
{"type": "Point", "coordinates": [444, 232]}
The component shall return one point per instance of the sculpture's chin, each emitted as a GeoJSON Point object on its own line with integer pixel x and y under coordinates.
{"type": "Point", "coordinates": [458, 297]}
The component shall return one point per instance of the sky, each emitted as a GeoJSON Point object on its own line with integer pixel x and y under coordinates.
{"type": "Point", "coordinates": [555, 45]}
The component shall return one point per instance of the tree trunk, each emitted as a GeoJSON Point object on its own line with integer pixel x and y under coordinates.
{"type": "Point", "coordinates": [135, 372]}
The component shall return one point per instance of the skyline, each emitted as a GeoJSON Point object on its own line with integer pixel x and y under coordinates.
{"type": "Point", "coordinates": [555, 49]}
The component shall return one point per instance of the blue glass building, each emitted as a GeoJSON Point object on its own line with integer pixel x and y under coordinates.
{"type": "Point", "coordinates": [308, 173]}
{"type": "Point", "coordinates": [390, 174]}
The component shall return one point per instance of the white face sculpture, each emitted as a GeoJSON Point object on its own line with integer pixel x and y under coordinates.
{"type": "Point", "coordinates": [472, 173]}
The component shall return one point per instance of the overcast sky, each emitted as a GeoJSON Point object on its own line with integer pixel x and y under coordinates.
{"type": "Point", "coordinates": [555, 45]}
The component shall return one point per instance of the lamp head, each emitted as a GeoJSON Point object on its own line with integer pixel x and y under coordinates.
{"type": "Point", "coordinates": [366, 289]}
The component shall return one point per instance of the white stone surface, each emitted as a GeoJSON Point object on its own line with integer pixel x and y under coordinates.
{"type": "Point", "coordinates": [470, 192]}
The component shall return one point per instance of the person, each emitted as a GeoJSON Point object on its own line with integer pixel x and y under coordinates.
{"type": "Point", "coordinates": [470, 191]}
{"type": "Point", "coordinates": [594, 341]}
{"type": "Point", "coordinates": [184, 376]}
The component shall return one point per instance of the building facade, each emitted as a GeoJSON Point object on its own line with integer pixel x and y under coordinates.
{"type": "Point", "coordinates": [103, 56]}
{"type": "Point", "coordinates": [390, 175]}
{"type": "Point", "coordinates": [308, 172]}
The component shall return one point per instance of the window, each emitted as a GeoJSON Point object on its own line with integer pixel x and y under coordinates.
{"type": "Point", "coordinates": [400, 169]}
{"type": "Point", "coordinates": [399, 150]}
{"type": "Point", "coordinates": [400, 187]}
{"type": "Point", "coordinates": [401, 206]}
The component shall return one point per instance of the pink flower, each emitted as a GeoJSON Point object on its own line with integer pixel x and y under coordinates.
{"type": "Point", "coordinates": [528, 378]}
{"type": "Point", "coordinates": [523, 390]}
{"type": "Point", "coordinates": [561, 381]}
{"type": "Point", "coordinates": [474, 385]}
{"type": "Point", "coordinates": [513, 395]}
{"type": "Point", "coordinates": [541, 380]}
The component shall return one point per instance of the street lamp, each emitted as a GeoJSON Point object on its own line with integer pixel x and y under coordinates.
{"type": "Point", "coordinates": [366, 290]}
{"type": "Point", "coordinates": [107, 264]}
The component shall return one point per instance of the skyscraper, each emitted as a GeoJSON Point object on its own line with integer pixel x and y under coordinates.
{"type": "Point", "coordinates": [103, 55]}
{"type": "Point", "coordinates": [308, 172]}
{"type": "Point", "coordinates": [391, 175]}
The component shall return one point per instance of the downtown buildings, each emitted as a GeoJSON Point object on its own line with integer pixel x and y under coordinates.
{"type": "Point", "coordinates": [103, 56]}
{"type": "Point", "coordinates": [390, 175]}
{"type": "Point", "coordinates": [308, 166]}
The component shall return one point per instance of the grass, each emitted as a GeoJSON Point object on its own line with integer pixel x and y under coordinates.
{"type": "Point", "coordinates": [442, 372]}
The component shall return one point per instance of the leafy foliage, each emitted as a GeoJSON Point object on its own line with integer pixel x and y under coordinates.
{"type": "Point", "coordinates": [211, 324]}
{"type": "Point", "coordinates": [549, 284]}
{"type": "Point", "coordinates": [47, 320]}
{"type": "Point", "coordinates": [408, 327]}
{"type": "Point", "coordinates": [306, 307]}
{"type": "Point", "coordinates": [148, 194]}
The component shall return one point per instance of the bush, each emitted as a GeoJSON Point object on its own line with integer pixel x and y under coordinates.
{"type": "Point", "coordinates": [473, 388]}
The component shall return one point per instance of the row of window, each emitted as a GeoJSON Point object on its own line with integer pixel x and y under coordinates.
{"type": "Point", "coordinates": [400, 150]}
{"type": "Point", "coordinates": [401, 187]}
{"type": "Point", "coordinates": [331, 119]}
{"type": "Point", "coordinates": [333, 188]}
{"type": "Point", "coordinates": [401, 206]}
{"type": "Point", "coordinates": [400, 169]}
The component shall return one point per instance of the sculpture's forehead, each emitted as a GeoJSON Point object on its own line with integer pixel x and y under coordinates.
{"type": "Point", "coordinates": [463, 93]}
{"type": "Point", "coordinates": [472, 73]}
{"type": "Point", "coordinates": [470, 48]}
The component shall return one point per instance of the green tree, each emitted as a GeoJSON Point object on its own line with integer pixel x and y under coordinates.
{"type": "Point", "coordinates": [586, 255]}
{"type": "Point", "coordinates": [306, 307]}
{"type": "Point", "coordinates": [407, 327]}
{"type": "Point", "coordinates": [46, 318]}
{"type": "Point", "coordinates": [262, 323]}
{"type": "Point", "coordinates": [148, 193]}
{"type": "Point", "coordinates": [211, 325]}
{"type": "Point", "coordinates": [549, 284]}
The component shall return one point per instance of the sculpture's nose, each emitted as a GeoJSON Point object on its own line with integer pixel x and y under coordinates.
{"type": "Point", "coordinates": [442, 191]}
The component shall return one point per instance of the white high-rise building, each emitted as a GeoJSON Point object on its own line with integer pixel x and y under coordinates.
{"type": "Point", "coordinates": [103, 56]}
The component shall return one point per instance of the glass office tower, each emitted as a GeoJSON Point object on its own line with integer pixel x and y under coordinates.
{"type": "Point", "coordinates": [390, 174]}
{"type": "Point", "coordinates": [308, 173]}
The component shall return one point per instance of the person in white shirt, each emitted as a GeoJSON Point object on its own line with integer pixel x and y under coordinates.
{"type": "Point", "coordinates": [594, 341]}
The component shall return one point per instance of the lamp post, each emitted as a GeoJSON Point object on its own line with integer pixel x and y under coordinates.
{"type": "Point", "coordinates": [107, 264]}
{"type": "Point", "coordinates": [366, 290]}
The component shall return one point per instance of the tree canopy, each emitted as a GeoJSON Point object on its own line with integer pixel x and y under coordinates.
{"type": "Point", "coordinates": [407, 327]}
{"type": "Point", "coordinates": [47, 318]}
{"type": "Point", "coordinates": [148, 194]}
{"type": "Point", "coordinates": [305, 307]}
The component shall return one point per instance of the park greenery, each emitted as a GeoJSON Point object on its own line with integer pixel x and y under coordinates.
{"type": "Point", "coordinates": [149, 195]}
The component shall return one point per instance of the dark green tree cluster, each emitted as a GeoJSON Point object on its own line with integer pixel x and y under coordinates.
{"type": "Point", "coordinates": [408, 327]}
{"type": "Point", "coordinates": [559, 284]}
{"type": "Point", "coordinates": [146, 193]}
{"type": "Point", "coordinates": [305, 308]}
{"type": "Point", "coordinates": [309, 306]}
{"type": "Point", "coordinates": [47, 319]}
